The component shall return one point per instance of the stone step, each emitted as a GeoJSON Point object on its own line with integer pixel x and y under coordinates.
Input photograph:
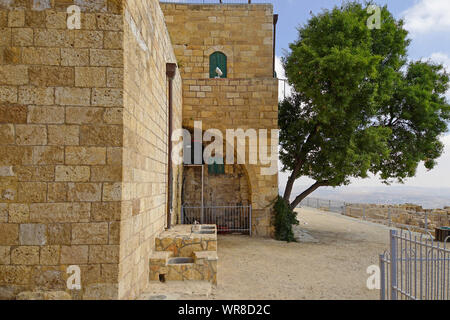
{"type": "Point", "coordinates": [177, 290]}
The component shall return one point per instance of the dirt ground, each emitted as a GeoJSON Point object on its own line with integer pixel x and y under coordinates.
{"type": "Point", "coordinates": [333, 267]}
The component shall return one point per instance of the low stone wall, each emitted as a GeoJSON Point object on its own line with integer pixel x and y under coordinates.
{"type": "Point", "coordinates": [408, 215]}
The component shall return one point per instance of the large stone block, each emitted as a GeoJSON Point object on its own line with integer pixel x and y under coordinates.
{"type": "Point", "coordinates": [90, 233]}
{"type": "Point", "coordinates": [32, 192]}
{"type": "Point", "coordinates": [13, 74]}
{"type": "Point", "coordinates": [41, 56]}
{"type": "Point", "coordinates": [74, 254]}
{"type": "Point", "coordinates": [63, 135]}
{"type": "Point", "coordinates": [72, 173]}
{"type": "Point", "coordinates": [82, 192]}
{"type": "Point", "coordinates": [90, 77]}
{"type": "Point", "coordinates": [46, 115]}
{"type": "Point", "coordinates": [85, 156]}
{"type": "Point", "coordinates": [33, 234]}
{"type": "Point", "coordinates": [50, 76]}
{"type": "Point", "coordinates": [7, 134]}
{"type": "Point", "coordinates": [19, 213]}
{"type": "Point", "coordinates": [104, 254]}
{"type": "Point", "coordinates": [59, 212]}
{"type": "Point", "coordinates": [25, 255]}
{"type": "Point", "coordinates": [73, 96]}
{"type": "Point", "coordinates": [31, 135]}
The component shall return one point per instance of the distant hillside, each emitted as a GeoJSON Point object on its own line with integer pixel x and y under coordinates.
{"type": "Point", "coordinates": [428, 198]}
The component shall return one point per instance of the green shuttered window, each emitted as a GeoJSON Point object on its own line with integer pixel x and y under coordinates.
{"type": "Point", "coordinates": [217, 59]}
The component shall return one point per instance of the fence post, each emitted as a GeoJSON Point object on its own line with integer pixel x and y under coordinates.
{"type": "Point", "coordinates": [250, 219]}
{"type": "Point", "coordinates": [426, 221]}
{"type": "Point", "coordinates": [329, 205]}
{"type": "Point", "coordinates": [364, 213]}
{"type": "Point", "coordinates": [389, 217]}
{"type": "Point", "coordinates": [393, 284]}
{"type": "Point", "coordinates": [317, 204]}
{"type": "Point", "coordinates": [382, 278]}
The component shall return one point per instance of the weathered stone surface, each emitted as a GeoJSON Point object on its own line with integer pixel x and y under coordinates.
{"type": "Point", "coordinates": [41, 56]}
{"type": "Point", "coordinates": [101, 135]}
{"type": "Point", "coordinates": [57, 192]}
{"type": "Point", "coordinates": [72, 173]}
{"type": "Point", "coordinates": [83, 115]}
{"type": "Point", "coordinates": [35, 173]}
{"type": "Point", "coordinates": [17, 275]}
{"type": "Point", "coordinates": [32, 192]}
{"type": "Point", "coordinates": [13, 114]}
{"type": "Point", "coordinates": [85, 156]}
{"type": "Point", "coordinates": [45, 76]}
{"type": "Point", "coordinates": [31, 135]}
{"type": "Point", "coordinates": [104, 254]}
{"type": "Point", "coordinates": [50, 255]}
{"type": "Point", "coordinates": [5, 255]}
{"type": "Point", "coordinates": [75, 57]}
{"type": "Point", "coordinates": [33, 234]}
{"type": "Point", "coordinates": [48, 155]}
{"type": "Point", "coordinates": [90, 77]}
{"type": "Point", "coordinates": [22, 37]}
{"type": "Point", "coordinates": [63, 135]}
{"type": "Point", "coordinates": [59, 212]}
{"type": "Point", "coordinates": [36, 96]}
{"type": "Point", "coordinates": [46, 115]}
{"type": "Point", "coordinates": [90, 233]}
{"type": "Point", "coordinates": [106, 211]}
{"type": "Point", "coordinates": [81, 192]}
{"type": "Point", "coordinates": [19, 213]}
{"type": "Point", "coordinates": [73, 96]}
{"type": "Point", "coordinates": [74, 254]}
{"type": "Point", "coordinates": [25, 255]}
{"type": "Point", "coordinates": [59, 234]}
{"type": "Point", "coordinates": [7, 134]}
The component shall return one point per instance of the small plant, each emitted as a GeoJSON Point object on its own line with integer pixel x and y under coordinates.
{"type": "Point", "coordinates": [284, 219]}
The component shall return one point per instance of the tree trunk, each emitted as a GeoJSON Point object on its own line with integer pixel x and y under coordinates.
{"type": "Point", "coordinates": [291, 181]}
{"type": "Point", "coordinates": [307, 192]}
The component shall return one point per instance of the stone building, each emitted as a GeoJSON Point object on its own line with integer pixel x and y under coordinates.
{"type": "Point", "coordinates": [84, 132]}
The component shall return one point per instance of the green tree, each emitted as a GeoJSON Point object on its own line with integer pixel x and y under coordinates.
{"type": "Point", "coordinates": [359, 106]}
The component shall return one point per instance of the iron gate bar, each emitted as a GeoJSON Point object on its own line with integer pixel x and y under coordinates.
{"type": "Point", "coordinates": [230, 218]}
{"type": "Point", "coordinates": [416, 268]}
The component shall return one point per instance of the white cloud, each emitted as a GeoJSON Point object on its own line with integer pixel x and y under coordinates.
{"type": "Point", "coordinates": [444, 59]}
{"type": "Point", "coordinates": [284, 89]}
{"type": "Point", "coordinates": [428, 16]}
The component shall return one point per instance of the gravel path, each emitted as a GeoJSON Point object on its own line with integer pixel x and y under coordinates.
{"type": "Point", "coordinates": [334, 267]}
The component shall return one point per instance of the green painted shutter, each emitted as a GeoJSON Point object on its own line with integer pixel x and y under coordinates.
{"type": "Point", "coordinates": [217, 59]}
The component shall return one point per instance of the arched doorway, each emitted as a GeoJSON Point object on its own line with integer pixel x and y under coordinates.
{"type": "Point", "coordinates": [217, 193]}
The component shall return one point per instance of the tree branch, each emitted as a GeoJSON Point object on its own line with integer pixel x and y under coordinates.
{"type": "Point", "coordinates": [307, 192]}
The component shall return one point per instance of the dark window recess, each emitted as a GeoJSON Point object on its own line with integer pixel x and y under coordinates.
{"type": "Point", "coordinates": [217, 60]}
{"type": "Point", "coordinates": [216, 166]}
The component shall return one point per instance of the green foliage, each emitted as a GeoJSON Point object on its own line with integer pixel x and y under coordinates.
{"type": "Point", "coordinates": [284, 219]}
{"type": "Point", "coordinates": [359, 107]}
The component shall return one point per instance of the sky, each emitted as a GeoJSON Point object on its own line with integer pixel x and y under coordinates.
{"type": "Point", "coordinates": [428, 22]}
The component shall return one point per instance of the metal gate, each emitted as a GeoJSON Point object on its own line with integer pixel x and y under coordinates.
{"type": "Point", "coordinates": [229, 219]}
{"type": "Point", "coordinates": [416, 268]}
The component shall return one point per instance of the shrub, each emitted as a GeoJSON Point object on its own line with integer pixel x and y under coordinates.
{"type": "Point", "coordinates": [284, 219]}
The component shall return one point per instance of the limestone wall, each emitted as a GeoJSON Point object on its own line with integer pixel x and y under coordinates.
{"type": "Point", "coordinates": [60, 139]}
{"type": "Point", "coordinates": [83, 151]}
{"type": "Point", "coordinates": [239, 104]}
{"type": "Point", "coordinates": [147, 50]}
{"type": "Point", "coordinates": [244, 33]}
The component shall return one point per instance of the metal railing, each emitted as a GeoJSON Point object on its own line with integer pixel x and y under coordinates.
{"type": "Point", "coordinates": [423, 222]}
{"type": "Point", "coordinates": [416, 268]}
{"type": "Point", "coordinates": [229, 219]}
